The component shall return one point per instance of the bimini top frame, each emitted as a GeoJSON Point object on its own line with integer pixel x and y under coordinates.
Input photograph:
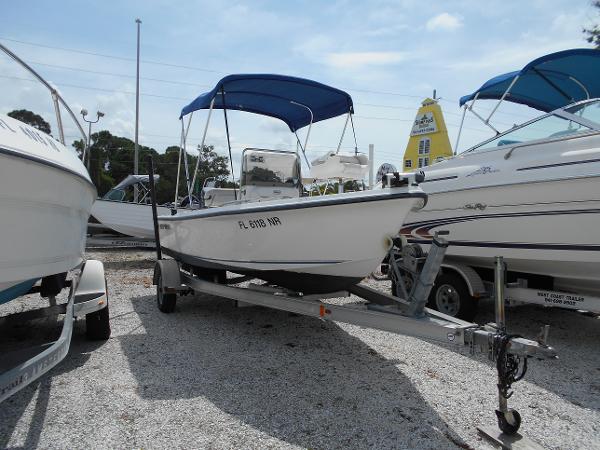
{"type": "Point", "coordinates": [296, 101]}
{"type": "Point", "coordinates": [56, 99]}
{"type": "Point", "coordinates": [546, 84]}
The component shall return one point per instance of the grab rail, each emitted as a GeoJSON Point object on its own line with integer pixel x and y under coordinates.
{"type": "Point", "coordinates": [55, 97]}
{"type": "Point", "coordinates": [550, 141]}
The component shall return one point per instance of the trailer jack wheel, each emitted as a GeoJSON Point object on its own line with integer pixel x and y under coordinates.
{"type": "Point", "coordinates": [509, 421]}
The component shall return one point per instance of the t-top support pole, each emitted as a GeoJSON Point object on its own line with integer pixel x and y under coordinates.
{"type": "Point", "coordinates": [181, 145]}
{"type": "Point", "coordinates": [308, 131]}
{"type": "Point", "coordinates": [228, 143]}
{"type": "Point", "coordinates": [512, 83]}
{"type": "Point", "coordinates": [185, 160]}
{"type": "Point", "coordinates": [210, 110]}
{"type": "Point", "coordinates": [462, 121]}
{"type": "Point", "coordinates": [343, 132]}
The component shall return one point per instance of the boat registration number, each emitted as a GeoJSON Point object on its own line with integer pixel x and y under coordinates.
{"type": "Point", "coordinates": [259, 223]}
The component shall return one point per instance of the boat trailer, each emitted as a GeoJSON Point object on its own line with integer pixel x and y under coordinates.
{"type": "Point", "coordinates": [379, 311]}
{"type": "Point", "coordinates": [87, 297]}
{"type": "Point", "coordinates": [407, 316]}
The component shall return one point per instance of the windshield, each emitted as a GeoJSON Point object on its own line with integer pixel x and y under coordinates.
{"type": "Point", "coordinates": [115, 194]}
{"type": "Point", "coordinates": [263, 168]}
{"type": "Point", "coordinates": [550, 126]}
{"type": "Point", "coordinates": [589, 111]}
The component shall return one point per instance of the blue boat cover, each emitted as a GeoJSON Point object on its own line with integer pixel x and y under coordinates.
{"type": "Point", "coordinates": [272, 95]}
{"type": "Point", "coordinates": [549, 82]}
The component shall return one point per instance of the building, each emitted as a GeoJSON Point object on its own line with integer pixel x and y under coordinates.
{"type": "Point", "coordinates": [428, 141]}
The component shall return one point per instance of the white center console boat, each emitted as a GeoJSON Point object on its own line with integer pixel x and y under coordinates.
{"type": "Point", "coordinates": [309, 244]}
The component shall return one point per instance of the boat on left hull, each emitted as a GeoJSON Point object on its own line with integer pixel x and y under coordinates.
{"type": "Point", "coordinates": [46, 200]}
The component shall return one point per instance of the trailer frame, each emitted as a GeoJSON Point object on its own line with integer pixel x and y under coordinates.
{"type": "Point", "coordinates": [379, 311]}
{"type": "Point", "coordinates": [87, 297]}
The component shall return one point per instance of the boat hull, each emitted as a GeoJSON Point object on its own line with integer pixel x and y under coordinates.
{"type": "Point", "coordinates": [542, 218]}
{"type": "Point", "coordinates": [131, 219]}
{"type": "Point", "coordinates": [312, 245]}
{"type": "Point", "coordinates": [44, 217]}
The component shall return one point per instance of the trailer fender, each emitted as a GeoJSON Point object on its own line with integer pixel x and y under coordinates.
{"type": "Point", "coordinates": [90, 290]}
{"type": "Point", "coordinates": [168, 271]}
{"type": "Point", "coordinates": [471, 278]}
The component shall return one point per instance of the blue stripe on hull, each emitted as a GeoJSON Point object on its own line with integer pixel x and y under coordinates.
{"type": "Point", "coordinates": [16, 291]}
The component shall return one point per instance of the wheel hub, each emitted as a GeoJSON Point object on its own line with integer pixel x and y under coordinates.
{"type": "Point", "coordinates": [447, 300]}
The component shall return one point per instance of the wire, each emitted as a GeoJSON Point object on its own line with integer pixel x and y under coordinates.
{"type": "Point", "coordinates": [181, 66]}
{"type": "Point", "coordinates": [96, 72]}
{"type": "Point", "coordinates": [122, 58]}
{"type": "Point", "coordinates": [116, 91]}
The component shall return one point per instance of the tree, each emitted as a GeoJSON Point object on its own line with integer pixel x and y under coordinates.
{"type": "Point", "coordinates": [31, 118]}
{"type": "Point", "coordinates": [112, 160]}
{"type": "Point", "coordinates": [593, 34]}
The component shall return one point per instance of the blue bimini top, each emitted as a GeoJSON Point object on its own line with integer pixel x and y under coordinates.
{"type": "Point", "coordinates": [283, 97]}
{"type": "Point", "coordinates": [548, 83]}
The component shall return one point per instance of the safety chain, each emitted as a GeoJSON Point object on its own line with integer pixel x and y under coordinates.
{"type": "Point", "coordinates": [508, 365]}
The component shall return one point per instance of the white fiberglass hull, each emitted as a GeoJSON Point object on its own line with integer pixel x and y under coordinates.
{"type": "Point", "coordinates": [310, 244]}
{"type": "Point", "coordinates": [45, 201]}
{"type": "Point", "coordinates": [542, 218]}
{"type": "Point", "coordinates": [131, 219]}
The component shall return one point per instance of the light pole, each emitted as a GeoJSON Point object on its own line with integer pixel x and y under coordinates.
{"type": "Point", "coordinates": [88, 148]}
{"type": "Point", "coordinates": [137, 110]}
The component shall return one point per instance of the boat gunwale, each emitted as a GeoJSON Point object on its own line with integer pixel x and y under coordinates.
{"type": "Point", "coordinates": [333, 200]}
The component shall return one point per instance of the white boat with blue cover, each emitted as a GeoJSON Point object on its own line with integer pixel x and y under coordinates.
{"type": "Point", "coordinates": [308, 244]}
{"type": "Point", "coordinates": [532, 193]}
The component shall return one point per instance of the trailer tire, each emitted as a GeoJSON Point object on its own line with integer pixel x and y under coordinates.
{"type": "Point", "coordinates": [450, 295]}
{"type": "Point", "coordinates": [166, 301]}
{"type": "Point", "coordinates": [97, 324]}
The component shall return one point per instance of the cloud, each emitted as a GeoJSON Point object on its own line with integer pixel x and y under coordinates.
{"type": "Point", "coordinates": [444, 22]}
{"type": "Point", "coordinates": [345, 60]}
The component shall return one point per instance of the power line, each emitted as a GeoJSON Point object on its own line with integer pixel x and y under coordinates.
{"type": "Point", "coordinates": [159, 80]}
{"type": "Point", "coordinates": [122, 58]}
{"type": "Point", "coordinates": [160, 63]}
{"type": "Point", "coordinates": [211, 71]}
{"type": "Point", "coordinates": [122, 75]}
{"type": "Point", "coordinates": [115, 91]}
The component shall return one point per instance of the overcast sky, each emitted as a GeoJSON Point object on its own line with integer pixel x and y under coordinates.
{"type": "Point", "coordinates": [388, 55]}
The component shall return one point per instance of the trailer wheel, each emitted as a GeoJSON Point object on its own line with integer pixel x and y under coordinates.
{"type": "Point", "coordinates": [450, 295]}
{"type": "Point", "coordinates": [166, 301]}
{"type": "Point", "coordinates": [97, 324]}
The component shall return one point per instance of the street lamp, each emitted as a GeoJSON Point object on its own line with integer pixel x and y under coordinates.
{"type": "Point", "coordinates": [87, 150]}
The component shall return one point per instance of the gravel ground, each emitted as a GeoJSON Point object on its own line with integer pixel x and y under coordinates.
{"type": "Point", "coordinates": [214, 376]}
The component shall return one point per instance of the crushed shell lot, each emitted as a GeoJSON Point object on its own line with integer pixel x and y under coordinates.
{"type": "Point", "coordinates": [214, 376]}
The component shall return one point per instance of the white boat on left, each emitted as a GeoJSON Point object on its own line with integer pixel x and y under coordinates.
{"type": "Point", "coordinates": [46, 196]}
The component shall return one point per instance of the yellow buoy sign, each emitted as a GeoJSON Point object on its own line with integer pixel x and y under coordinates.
{"type": "Point", "coordinates": [428, 142]}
